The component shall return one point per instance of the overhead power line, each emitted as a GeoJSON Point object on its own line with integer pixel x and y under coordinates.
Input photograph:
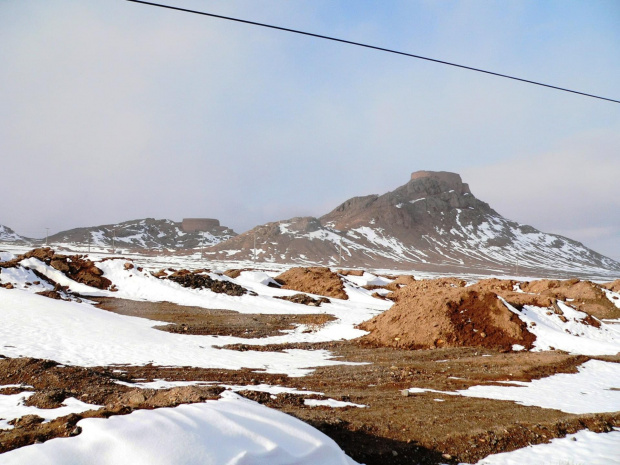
{"type": "Point", "coordinates": [373, 47]}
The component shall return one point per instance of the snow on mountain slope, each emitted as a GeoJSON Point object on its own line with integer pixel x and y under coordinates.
{"type": "Point", "coordinates": [148, 233]}
{"type": "Point", "coordinates": [433, 222]}
{"type": "Point", "coordinates": [8, 235]}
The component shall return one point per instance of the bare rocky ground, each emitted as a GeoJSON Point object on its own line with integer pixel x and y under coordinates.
{"type": "Point", "coordinates": [393, 428]}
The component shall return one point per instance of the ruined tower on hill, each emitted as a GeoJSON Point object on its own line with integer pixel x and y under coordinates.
{"type": "Point", "coordinates": [190, 225]}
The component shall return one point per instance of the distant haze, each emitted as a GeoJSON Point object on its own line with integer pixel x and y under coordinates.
{"type": "Point", "coordinates": [111, 111]}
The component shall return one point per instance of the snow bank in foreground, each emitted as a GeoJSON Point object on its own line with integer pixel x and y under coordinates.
{"type": "Point", "coordinates": [580, 448]}
{"type": "Point", "coordinates": [228, 431]}
{"type": "Point", "coordinates": [594, 389]}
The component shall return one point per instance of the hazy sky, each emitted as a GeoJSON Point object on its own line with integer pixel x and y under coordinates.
{"type": "Point", "coordinates": [111, 110]}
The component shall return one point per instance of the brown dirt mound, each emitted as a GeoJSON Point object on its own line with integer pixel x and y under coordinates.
{"type": "Point", "coordinates": [439, 313]}
{"type": "Point", "coordinates": [612, 286]}
{"type": "Point", "coordinates": [313, 280]}
{"type": "Point", "coordinates": [442, 312]}
{"type": "Point", "coordinates": [233, 273]}
{"type": "Point", "coordinates": [76, 267]}
{"type": "Point", "coordinates": [585, 296]}
{"type": "Point", "coordinates": [403, 279]}
{"type": "Point", "coordinates": [351, 272]}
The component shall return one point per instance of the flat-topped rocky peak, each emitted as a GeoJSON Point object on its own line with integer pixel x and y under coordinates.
{"type": "Point", "coordinates": [432, 222]}
{"type": "Point", "coordinates": [435, 182]}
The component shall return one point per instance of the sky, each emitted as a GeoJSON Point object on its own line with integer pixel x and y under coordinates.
{"type": "Point", "coordinates": [113, 111]}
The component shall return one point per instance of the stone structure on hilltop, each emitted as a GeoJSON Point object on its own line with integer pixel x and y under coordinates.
{"type": "Point", "coordinates": [190, 225]}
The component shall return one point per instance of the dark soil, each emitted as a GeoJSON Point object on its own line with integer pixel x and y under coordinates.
{"type": "Point", "coordinates": [392, 429]}
{"type": "Point", "coordinates": [202, 321]}
{"type": "Point", "coordinates": [195, 280]}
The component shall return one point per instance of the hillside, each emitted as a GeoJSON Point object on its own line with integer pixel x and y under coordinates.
{"type": "Point", "coordinates": [433, 223]}
{"type": "Point", "coordinates": [143, 234]}
{"type": "Point", "coordinates": [8, 235]}
{"type": "Point", "coordinates": [136, 235]}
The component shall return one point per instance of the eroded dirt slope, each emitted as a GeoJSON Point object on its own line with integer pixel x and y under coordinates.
{"type": "Point", "coordinates": [446, 312]}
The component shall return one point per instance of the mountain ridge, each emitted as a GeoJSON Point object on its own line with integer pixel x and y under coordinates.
{"type": "Point", "coordinates": [432, 222]}
{"type": "Point", "coordinates": [139, 234]}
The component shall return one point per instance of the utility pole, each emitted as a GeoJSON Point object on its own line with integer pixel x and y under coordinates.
{"type": "Point", "coordinates": [202, 244]}
{"type": "Point", "coordinates": [47, 233]}
{"type": "Point", "coordinates": [254, 246]}
{"type": "Point", "coordinates": [113, 241]}
{"type": "Point", "coordinates": [89, 243]}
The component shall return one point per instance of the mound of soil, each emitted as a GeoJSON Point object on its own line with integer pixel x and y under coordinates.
{"type": "Point", "coordinates": [585, 296]}
{"type": "Point", "coordinates": [196, 280]}
{"type": "Point", "coordinates": [612, 286]}
{"type": "Point", "coordinates": [351, 272]}
{"type": "Point", "coordinates": [233, 273]}
{"type": "Point", "coordinates": [403, 280]}
{"type": "Point", "coordinates": [440, 313]}
{"type": "Point", "coordinates": [76, 267]}
{"type": "Point", "coordinates": [313, 280]}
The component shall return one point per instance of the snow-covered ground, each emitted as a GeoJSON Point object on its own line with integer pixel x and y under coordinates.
{"type": "Point", "coordinates": [12, 406]}
{"type": "Point", "coordinates": [78, 333]}
{"type": "Point", "coordinates": [594, 389]}
{"type": "Point", "coordinates": [228, 431]}
{"type": "Point", "coordinates": [573, 334]}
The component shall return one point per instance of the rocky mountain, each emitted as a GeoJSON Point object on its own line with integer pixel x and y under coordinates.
{"type": "Point", "coordinates": [144, 234]}
{"type": "Point", "coordinates": [8, 235]}
{"type": "Point", "coordinates": [432, 223]}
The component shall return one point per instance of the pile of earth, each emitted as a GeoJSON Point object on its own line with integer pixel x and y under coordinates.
{"type": "Point", "coordinates": [198, 280]}
{"type": "Point", "coordinates": [447, 313]}
{"type": "Point", "coordinates": [76, 267]}
{"type": "Point", "coordinates": [613, 286]}
{"type": "Point", "coordinates": [585, 296]}
{"type": "Point", "coordinates": [313, 280]}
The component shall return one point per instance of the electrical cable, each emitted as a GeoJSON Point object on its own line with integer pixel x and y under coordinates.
{"type": "Point", "coordinates": [373, 47]}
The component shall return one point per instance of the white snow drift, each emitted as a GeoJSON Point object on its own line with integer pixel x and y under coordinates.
{"type": "Point", "coordinates": [229, 431]}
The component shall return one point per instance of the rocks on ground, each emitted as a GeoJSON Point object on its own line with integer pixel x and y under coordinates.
{"type": "Point", "coordinates": [305, 299]}
{"type": "Point", "coordinates": [197, 280]}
